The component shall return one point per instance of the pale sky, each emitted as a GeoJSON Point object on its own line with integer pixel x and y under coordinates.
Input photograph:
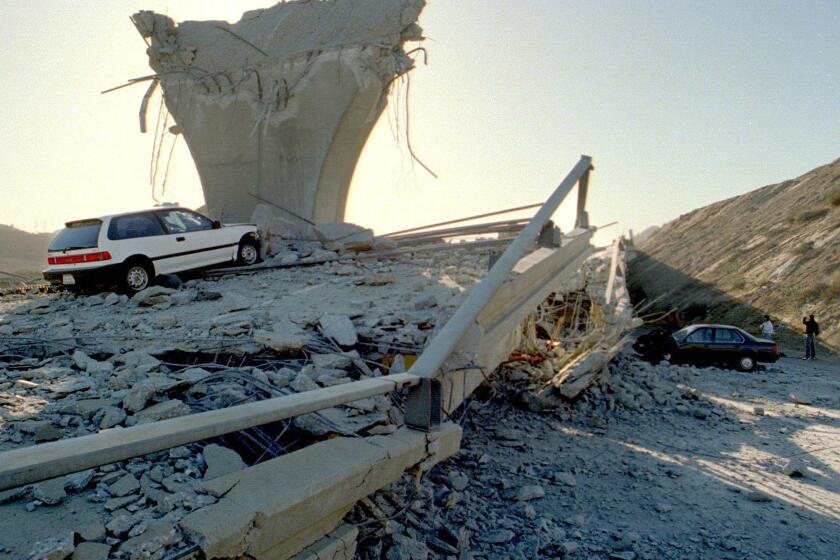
{"type": "Point", "coordinates": [679, 103]}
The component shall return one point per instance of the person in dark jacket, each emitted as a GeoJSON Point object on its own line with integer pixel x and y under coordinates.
{"type": "Point", "coordinates": [672, 320]}
{"type": "Point", "coordinates": [812, 330]}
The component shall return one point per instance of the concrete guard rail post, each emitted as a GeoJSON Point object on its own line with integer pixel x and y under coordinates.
{"type": "Point", "coordinates": [424, 401]}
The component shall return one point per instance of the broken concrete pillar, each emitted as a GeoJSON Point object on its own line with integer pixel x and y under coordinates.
{"type": "Point", "coordinates": [277, 107]}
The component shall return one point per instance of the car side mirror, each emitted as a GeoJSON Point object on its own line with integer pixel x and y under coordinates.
{"type": "Point", "coordinates": [217, 224]}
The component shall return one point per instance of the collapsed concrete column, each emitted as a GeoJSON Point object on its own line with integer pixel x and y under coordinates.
{"type": "Point", "coordinates": [277, 107]}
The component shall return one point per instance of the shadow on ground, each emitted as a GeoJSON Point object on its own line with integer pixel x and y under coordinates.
{"type": "Point", "coordinates": [700, 476]}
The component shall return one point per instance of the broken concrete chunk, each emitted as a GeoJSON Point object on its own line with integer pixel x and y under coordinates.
{"type": "Point", "coordinates": [91, 551]}
{"type": "Point", "coordinates": [377, 280]}
{"type": "Point", "coordinates": [137, 359]}
{"type": "Point", "coordinates": [339, 328]}
{"type": "Point", "coordinates": [220, 461]}
{"type": "Point", "coordinates": [99, 368]}
{"type": "Point", "coordinates": [457, 481]}
{"type": "Point", "coordinates": [796, 468]}
{"type": "Point", "coordinates": [109, 417]}
{"type": "Point", "coordinates": [341, 236]}
{"type": "Point", "coordinates": [566, 478]}
{"type": "Point", "coordinates": [499, 536]}
{"type": "Point", "coordinates": [121, 524]}
{"type": "Point", "coordinates": [334, 361]}
{"type": "Point", "coordinates": [530, 492]}
{"type": "Point", "coordinates": [663, 507]}
{"type": "Point", "coordinates": [157, 536]}
{"type": "Point", "coordinates": [70, 385]}
{"type": "Point", "coordinates": [142, 393]}
{"type": "Point", "coordinates": [124, 486]}
{"type": "Point", "coordinates": [303, 383]}
{"type": "Point", "coordinates": [800, 399]}
{"type": "Point", "coordinates": [153, 296]}
{"type": "Point", "coordinates": [163, 411]}
{"type": "Point", "coordinates": [116, 503]}
{"type": "Point", "coordinates": [56, 548]}
{"type": "Point", "coordinates": [81, 359]}
{"type": "Point", "coordinates": [382, 430]}
{"type": "Point", "coordinates": [14, 494]}
{"type": "Point", "coordinates": [281, 378]}
{"type": "Point", "coordinates": [284, 337]}
{"type": "Point", "coordinates": [50, 492]}
{"type": "Point", "coordinates": [406, 548]}
{"type": "Point", "coordinates": [47, 432]}
{"type": "Point", "coordinates": [93, 531]}
{"type": "Point", "coordinates": [77, 482]}
{"type": "Point", "coordinates": [326, 376]}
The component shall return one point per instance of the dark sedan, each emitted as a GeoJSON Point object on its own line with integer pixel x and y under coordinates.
{"type": "Point", "coordinates": [711, 344]}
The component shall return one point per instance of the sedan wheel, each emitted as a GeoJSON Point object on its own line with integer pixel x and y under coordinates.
{"type": "Point", "coordinates": [746, 363]}
{"type": "Point", "coordinates": [248, 253]}
{"type": "Point", "coordinates": [136, 278]}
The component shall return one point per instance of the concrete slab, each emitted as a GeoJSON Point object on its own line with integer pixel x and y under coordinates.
{"type": "Point", "coordinates": [277, 501]}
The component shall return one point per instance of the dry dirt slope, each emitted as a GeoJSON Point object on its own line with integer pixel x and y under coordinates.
{"type": "Point", "coordinates": [21, 251]}
{"type": "Point", "coordinates": [774, 250]}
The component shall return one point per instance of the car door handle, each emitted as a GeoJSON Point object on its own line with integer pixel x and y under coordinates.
{"type": "Point", "coordinates": [180, 239]}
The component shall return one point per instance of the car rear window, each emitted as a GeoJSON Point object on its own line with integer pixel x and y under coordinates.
{"type": "Point", "coordinates": [727, 335]}
{"type": "Point", "coordinates": [81, 235]}
{"type": "Point", "coordinates": [134, 226]}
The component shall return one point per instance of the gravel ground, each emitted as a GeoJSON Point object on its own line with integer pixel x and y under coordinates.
{"type": "Point", "coordinates": [657, 462]}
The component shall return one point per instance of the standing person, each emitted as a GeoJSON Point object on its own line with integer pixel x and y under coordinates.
{"type": "Point", "coordinates": [767, 328]}
{"type": "Point", "coordinates": [812, 329]}
{"type": "Point", "coordinates": [673, 321]}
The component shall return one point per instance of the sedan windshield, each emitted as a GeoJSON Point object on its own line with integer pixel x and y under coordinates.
{"type": "Point", "coordinates": [78, 236]}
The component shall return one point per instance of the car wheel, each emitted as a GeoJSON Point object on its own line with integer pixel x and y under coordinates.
{"type": "Point", "coordinates": [137, 276]}
{"type": "Point", "coordinates": [746, 362]}
{"type": "Point", "coordinates": [249, 252]}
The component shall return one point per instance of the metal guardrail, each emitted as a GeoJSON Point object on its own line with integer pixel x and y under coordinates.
{"type": "Point", "coordinates": [423, 399]}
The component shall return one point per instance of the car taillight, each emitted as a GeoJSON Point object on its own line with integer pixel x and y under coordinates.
{"type": "Point", "coordinates": [78, 259]}
{"type": "Point", "coordinates": [97, 257]}
{"type": "Point", "coordinates": [775, 349]}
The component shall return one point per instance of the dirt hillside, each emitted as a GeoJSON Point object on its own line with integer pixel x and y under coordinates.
{"type": "Point", "coordinates": [21, 251]}
{"type": "Point", "coordinates": [774, 250]}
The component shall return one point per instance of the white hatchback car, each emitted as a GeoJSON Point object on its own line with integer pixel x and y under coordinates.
{"type": "Point", "coordinates": [132, 249]}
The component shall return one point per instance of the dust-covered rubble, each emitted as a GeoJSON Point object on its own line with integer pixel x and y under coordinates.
{"type": "Point", "coordinates": [73, 365]}
{"type": "Point", "coordinates": [652, 461]}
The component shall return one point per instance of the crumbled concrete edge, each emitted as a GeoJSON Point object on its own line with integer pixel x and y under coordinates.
{"type": "Point", "coordinates": [273, 502]}
{"type": "Point", "coordinates": [337, 545]}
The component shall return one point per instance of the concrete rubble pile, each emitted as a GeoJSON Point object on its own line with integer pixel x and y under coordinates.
{"type": "Point", "coordinates": [578, 365]}
{"type": "Point", "coordinates": [74, 365]}
{"type": "Point", "coordinates": [486, 502]}
{"type": "Point", "coordinates": [276, 107]}
{"type": "Point", "coordinates": [455, 511]}
{"type": "Point", "coordinates": [633, 468]}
